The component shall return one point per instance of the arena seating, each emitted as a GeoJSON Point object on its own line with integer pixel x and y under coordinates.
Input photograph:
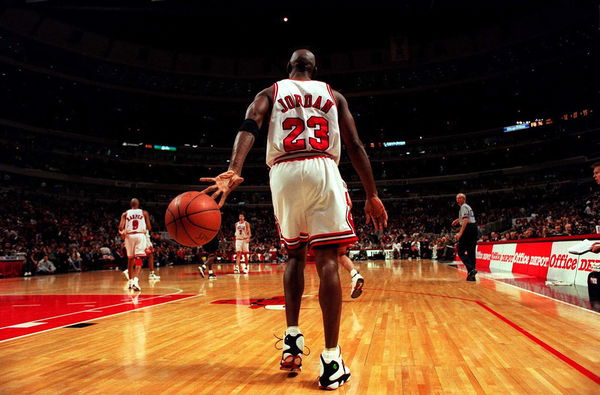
{"type": "Point", "coordinates": [79, 131]}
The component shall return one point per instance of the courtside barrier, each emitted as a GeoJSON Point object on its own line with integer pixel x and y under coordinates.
{"type": "Point", "coordinates": [547, 259]}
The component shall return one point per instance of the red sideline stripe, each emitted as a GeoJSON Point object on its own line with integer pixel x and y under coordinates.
{"type": "Point", "coordinates": [592, 376]}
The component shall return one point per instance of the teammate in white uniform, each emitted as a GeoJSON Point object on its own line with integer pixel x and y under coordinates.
{"type": "Point", "coordinates": [242, 244]}
{"type": "Point", "coordinates": [134, 224]}
{"type": "Point", "coordinates": [307, 122]}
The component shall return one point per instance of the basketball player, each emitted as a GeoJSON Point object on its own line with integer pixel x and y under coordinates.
{"type": "Point", "coordinates": [467, 236]}
{"type": "Point", "coordinates": [242, 244]}
{"type": "Point", "coordinates": [307, 122]}
{"type": "Point", "coordinates": [211, 248]}
{"type": "Point", "coordinates": [150, 254]}
{"type": "Point", "coordinates": [134, 224]}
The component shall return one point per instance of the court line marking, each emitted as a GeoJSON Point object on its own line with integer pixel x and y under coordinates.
{"type": "Point", "coordinates": [99, 318]}
{"type": "Point", "coordinates": [29, 324]}
{"type": "Point", "coordinates": [589, 374]}
{"type": "Point", "coordinates": [101, 307]}
{"type": "Point", "coordinates": [581, 369]}
{"type": "Point", "coordinates": [484, 276]}
{"type": "Point", "coordinates": [539, 294]}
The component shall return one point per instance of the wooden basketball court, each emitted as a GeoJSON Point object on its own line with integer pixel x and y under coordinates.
{"type": "Point", "coordinates": [417, 328]}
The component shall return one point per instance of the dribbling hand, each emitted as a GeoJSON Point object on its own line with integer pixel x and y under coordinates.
{"type": "Point", "coordinates": [225, 183]}
{"type": "Point", "coordinates": [375, 212]}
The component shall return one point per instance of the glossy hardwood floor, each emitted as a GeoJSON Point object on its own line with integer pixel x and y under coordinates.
{"type": "Point", "coordinates": [417, 328]}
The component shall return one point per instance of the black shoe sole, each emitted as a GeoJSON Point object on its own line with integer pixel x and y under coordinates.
{"type": "Point", "coordinates": [357, 291]}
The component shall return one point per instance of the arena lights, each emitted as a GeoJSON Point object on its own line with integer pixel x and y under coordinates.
{"type": "Point", "coordinates": [528, 124]}
{"type": "Point", "coordinates": [394, 143]}
{"type": "Point", "coordinates": [516, 127]}
{"type": "Point", "coordinates": [164, 148]}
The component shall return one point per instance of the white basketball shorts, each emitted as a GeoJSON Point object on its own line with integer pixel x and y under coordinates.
{"type": "Point", "coordinates": [242, 245]}
{"type": "Point", "coordinates": [311, 203]}
{"type": "Point", "coordinates": [135, 244]}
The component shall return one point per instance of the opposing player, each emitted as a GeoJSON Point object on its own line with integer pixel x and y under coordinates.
{"type": "Point", "coordinates": [242, 244]}
{"type": "Point", "coordinates": [211, 248]}
{"type": "Point", "coordinates": [134, 224]}
{"type": "Point", "coordinates": [307, 122]}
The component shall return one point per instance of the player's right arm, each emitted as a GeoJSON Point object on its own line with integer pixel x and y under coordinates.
{"type": "Point", "coordinates": [226, 182]}
{"type": "Point", "coordinates": [374, 209]}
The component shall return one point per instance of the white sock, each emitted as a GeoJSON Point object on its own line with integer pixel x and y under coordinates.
{"type": "Point", "coordinates": [331, 353]}
{"type": "Point", "coordinates": [292, 330]}
{"type": "Point", "coordinates": [135, 279]}
{"type": "Point", "coordinates": [353, 272]}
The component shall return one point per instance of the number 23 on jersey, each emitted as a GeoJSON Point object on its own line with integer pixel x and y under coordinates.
{"type": "Point", "coordinates": [318, 137]}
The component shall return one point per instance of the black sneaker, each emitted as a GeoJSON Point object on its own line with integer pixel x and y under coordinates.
{"type": "Point", "coordinates": [471, 275]}
{"type": "Point", "coordinates": [334, 373]}
{"type": "Point", "coordinates": [212, 276]}
{"type": "Point", "coordinates": [291, 356]}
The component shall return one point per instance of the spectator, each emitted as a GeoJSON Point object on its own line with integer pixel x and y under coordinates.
{"type": "Point", "coordinates": [75, 259]}
{"type": "Point", "coordinates": [45, 266]}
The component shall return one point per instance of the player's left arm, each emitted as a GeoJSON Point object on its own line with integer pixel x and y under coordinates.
{"type": "Point", "coordinates": [374, 208]}
{"type": "Point", "coordinates": [226, 182]}
{"type": "Point", "coordinates": [248, 231]}
{"type": "Point", "coordinates": [147, 219]}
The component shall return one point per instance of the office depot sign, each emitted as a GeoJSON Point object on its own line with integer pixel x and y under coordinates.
{"type": "Point", "coordinates": [546, 259]}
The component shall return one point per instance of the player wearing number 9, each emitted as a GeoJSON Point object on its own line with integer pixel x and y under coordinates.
{"type": "Point", "coordinates": [133, 226]}
{"type": "Point", "coordinates": [307, 123]}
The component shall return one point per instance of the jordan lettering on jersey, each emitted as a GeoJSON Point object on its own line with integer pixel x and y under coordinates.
{"type": "Point", "coordinates": [305, 101]}
{"type": "Point", "coordinates": [304, 122]}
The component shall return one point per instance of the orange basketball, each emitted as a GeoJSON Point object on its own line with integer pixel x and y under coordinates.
{"type": "Point", "coordinates": [193, 219]}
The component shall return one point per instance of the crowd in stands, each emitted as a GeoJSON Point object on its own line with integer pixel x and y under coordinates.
{"type": "Point", "coordinates": [57, 235]}
{"type": "Point", "coordinates": [521, 185]}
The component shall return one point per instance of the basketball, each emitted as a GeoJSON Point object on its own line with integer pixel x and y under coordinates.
{"type": "Point", "coordinates": [193, 219]}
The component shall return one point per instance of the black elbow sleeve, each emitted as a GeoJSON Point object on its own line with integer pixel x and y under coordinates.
{"type": "Point", "coordinates": [250, 126]}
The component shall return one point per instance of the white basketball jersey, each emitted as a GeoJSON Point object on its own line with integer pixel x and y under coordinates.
{"type": "Point", "coordinates": [240, 230]}
{"type": "Point", "coordinates": [304, 122]}
{"type": "Point", "coordinates": [135, 222]}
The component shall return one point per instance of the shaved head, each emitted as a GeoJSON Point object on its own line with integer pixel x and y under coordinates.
{"type": "Point", "coordinates": [134, 203]}
{"type": "Point", "coordinates": [302, 61]}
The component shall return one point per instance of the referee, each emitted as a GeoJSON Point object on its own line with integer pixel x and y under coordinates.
{"type": "Point", "coordinates": [467, 236]}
